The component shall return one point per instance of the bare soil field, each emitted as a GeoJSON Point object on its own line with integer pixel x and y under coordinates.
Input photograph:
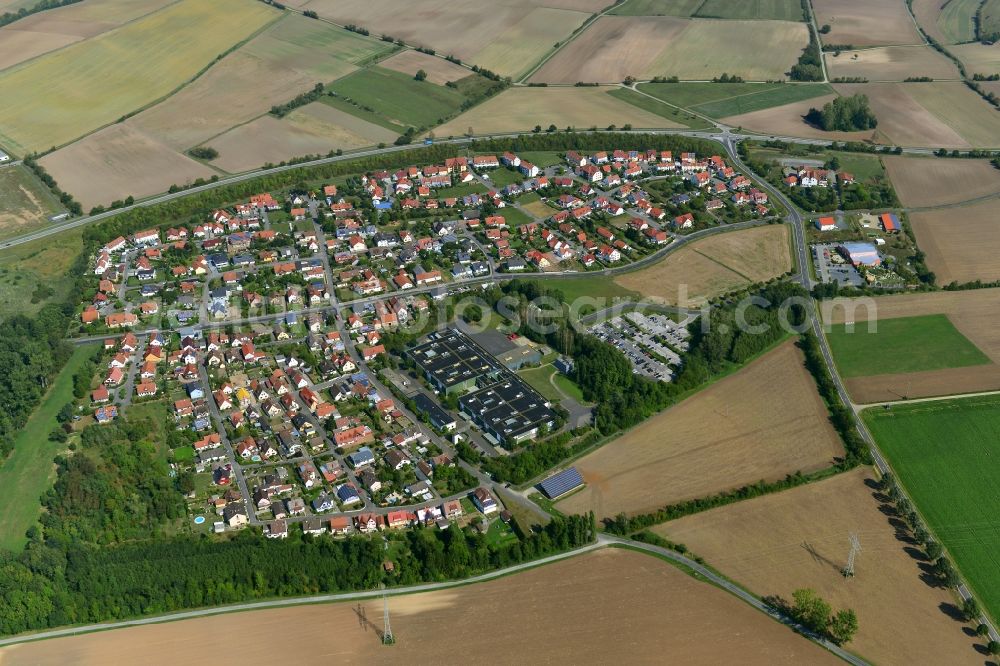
{"type": "Point", "coordinates": [798, 538]}
{"type": "Point", "coordinates": [972, 313]}
{"type": "Point", "coordinates": [640, 628]}
{"type": "Point", "coordinates": [439, 70]}
{"type": "Point", "coordinates": [313, 129]}
{"type": "Point", "coordinates": [119, 161]}
{"type": "Point", "coordinates": [903, 120]}
{"type": "Point", "coordinates": [866, 22]}
{"type": "Point", "coordinates": [618, 46]}
{"type": "Point", "coordinates": [467, 29]}
{"type": "Point", "coordinates": [934, 182]}
{"type": "Point", "coordinates": [961, 243]}
{"type": "Point", "coordinates": [49, 30]}
{"type": "Point", "coordinates": [522, 108]}
{"type": "Point", "coordinates": [723, 437]}
{"type": "Point", "coordinates": [978, 58]}
{"type": "Point", "coordinates": [789, 120]}
{"type": "Point", "coordinates": [714, 266]}
{"type": "Point", "coordinates": [891, 63]}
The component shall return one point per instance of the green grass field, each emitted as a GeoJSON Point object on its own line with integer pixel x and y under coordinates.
{"type": "Point", "coordinates": [957, 20]}
{"type": "Point", "coordinates": [865, 168]}
{"type": "Point", "coordinates": [569, 387]}
{"type": "Point", "coordinates": [780, 10]}
{"type": "Point", "coordinates": [514, 216]}
{"type": "Point", "coordinates": [906, 344]}
{"type": "Point", "coordinates": [503, 176]}
{"type": "Point", "coordinates": [399, 98]}
{"type": "Point", "coordinates": [95, 82]}
{"type": "Point", "coordinates": [990, 18]}
{"type": "Point", "coordinates": [543, 158]}
{"type": "Point", "coordinates": [594, 286]}
{"type": "Point", "coordinates": [658, 7]}
{"type": "Point", "coordinates": [720, 100]}
{"type": "Point", "coordinates": [538, 379]}
{"type": "Point", "coordinates": [25, 203]}
{"type": "Point", "coordinates": [37, 273]}
{"type": "Point", "coordinates": [655, 106]}
{"type": "Point", "coordinates": [942, 453]}
{"type": "Point", "coordinates": [29, 471]}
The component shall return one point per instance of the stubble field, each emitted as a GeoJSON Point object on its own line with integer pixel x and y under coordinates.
{"type": "Point", "coordinates": [978, 58]}
{"type": "Point", "coordinates": [438, 70]}
{"type": "Point", "coordinates": [522, 108]}
{"type": "Point", "coordinates": [866, 22]}
{"type": "Point", "coordinates": [314, 129]}
{"type": "Point", "coordinates": [714, 266]}
{"type": "Point", "coordinates": [961, 243]}
{"type": "Point", "coordinates": [507, 37]}
{"type": "Point", "coordinates": [971, 312]}
{"type": "Point", "coordinates": [46, 31]}
{"type": "Point", "coordinates": [790, 120]}
{"type": "Point", "coordinates": [934, 182]}
{"type": "Point", "coordinates": [95, 82]}
{"type": "Point", "coordinates": [725, 436]}
{"type": "Point", "coordinates": [543, 615]}
{"type": "Point", "coordinates": [799, 538]}
{"type": "Point", "coordinates": [891, 63]}
{"type": "Point", "coordinates": [615, 47]}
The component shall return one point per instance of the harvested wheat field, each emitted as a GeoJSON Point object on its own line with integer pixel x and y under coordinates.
{"type": "Point", "coordinates": [642, 46]}
{"type": "Point", "coordinates": [522, 108]}
{"type": "Point", "coordinates": [971, 312]}
{"type": "Point", "coordinates": [961, 244]}
{"type": "Point", "coordinates": [49, 30]}
{"type": "Point", "coordinates": [314, 129]}
{"type": "Point", "coordinates": [891, 63]}
{"type": "Point", "coordinates": [902, 119]}
{"type": "Point", "coordinates": [714, 266]}
{"type": "Point", "coordinates": [978, 58]}
{"type": "Point", "coordinates": [119, 161]}
{"type": "Point", "coordinates": [962, 109]}
{"type": "Point", "coordinates": [643, 628]}
{"type": "Point", "coordinates": [95, 82]}
{"type": "Point", "coordinates": [798, 538]}
{"type": "Point", "coordinates": [439, 70]}
{"type": "Point", "coordinates": [220, 100]}
{"type": "Point", "coordinates": [934, 182]}
{"type": "Point", "coordinates": [468, 29]}
{"type": "Point", "coordinates": [866, 22]}
{"type": "Point", "coordinates": [727, 435]}
{"type": "Point", "coordinates": [790, 120]}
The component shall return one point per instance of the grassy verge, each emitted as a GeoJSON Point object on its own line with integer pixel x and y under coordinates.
{"type": "Point", "coordinates": [29, 472]}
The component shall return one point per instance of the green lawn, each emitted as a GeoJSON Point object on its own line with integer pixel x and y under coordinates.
{"type": "Point", "coordinates": [719, 100]}
{"type": "Point", "coordinates": [364, 114]}
{"type": "Point", "coordinates": [514, 217]}
{"type": "Point", "coordinates": [569, 387]}
{"type": "Point", "coordinates": [658, 107]}
{"type": "Point", "coordinates": [475, 187]}
{"type": "Point", "coordinates": [543, 158]}
{"type": "Point", "coordinates": [538, 378]}
{"type": "Point", "coordinates": [594, 286]}
{"type": "Point", "coordinates": [942, 453]}
{"type": "Point", "coordinates": [657, 7]}
{"type": "Point", "coordinates": [504, 176]}
{"type": "Point", "coordinates": [906, 344]}
{"type": "Point", "coordinates": [398, 97]}
{"type": "Point", "coordinates": [29, 471]}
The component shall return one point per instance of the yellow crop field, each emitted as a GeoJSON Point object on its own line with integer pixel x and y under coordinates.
{"type": "Point", "coordinates": [55, 99]}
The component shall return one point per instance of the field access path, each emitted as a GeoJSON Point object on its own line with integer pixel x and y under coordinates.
{"type": "Point", "coordinates": [603, 541]}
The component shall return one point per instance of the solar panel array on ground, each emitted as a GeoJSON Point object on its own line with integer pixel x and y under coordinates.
{"type": "Point", "coordinates": [559, 484]}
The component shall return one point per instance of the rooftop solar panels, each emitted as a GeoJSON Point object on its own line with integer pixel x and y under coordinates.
{"type": "Point", "coordinates": [559, 484]}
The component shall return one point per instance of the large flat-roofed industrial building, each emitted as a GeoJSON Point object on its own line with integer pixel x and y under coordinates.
{"type": "Point", "coordinates": [502, 404]}
{"type": "Point", "coordinates": [509, 410]}
{"type": "Point", "coordinates": [453, 363]}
